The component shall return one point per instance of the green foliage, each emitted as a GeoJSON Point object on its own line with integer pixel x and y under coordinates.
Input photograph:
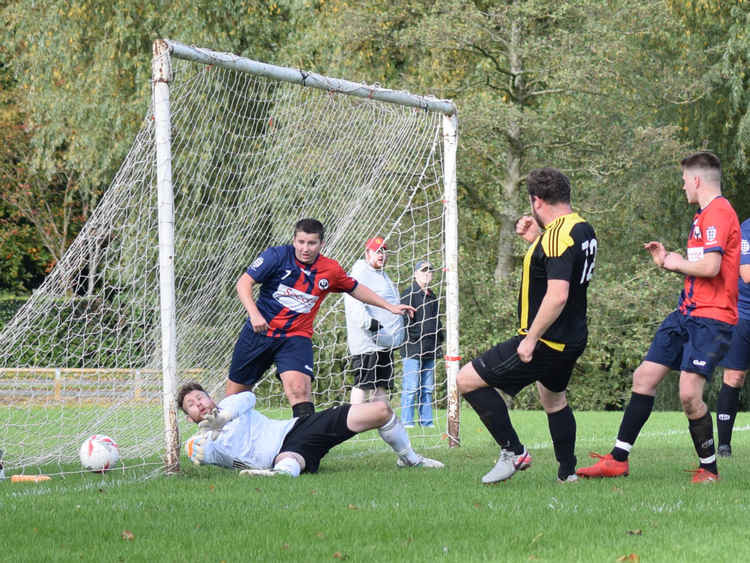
{"type": "Point", "coordinates": [719, 116]}
{"type": "Point", "coordinates": [8, 307]}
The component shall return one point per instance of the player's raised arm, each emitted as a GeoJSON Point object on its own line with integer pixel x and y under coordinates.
{"type": "Point", "coordinates": [707, 267]}
{"type": "Point", "coordinates": [366, 295]}
{"type": "Point", "coordinates": [245, 293]}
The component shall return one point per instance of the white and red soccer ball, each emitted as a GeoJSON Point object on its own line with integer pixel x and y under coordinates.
{"type": "Point", "coordinates": [99, 453]}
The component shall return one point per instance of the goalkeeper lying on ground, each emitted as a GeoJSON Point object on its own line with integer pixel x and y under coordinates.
{"type": "Point", "coordinates": [233, 434]}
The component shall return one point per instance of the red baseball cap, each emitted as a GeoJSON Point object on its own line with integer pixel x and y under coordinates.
{"type": "Point", "coordinates": [376, 243]}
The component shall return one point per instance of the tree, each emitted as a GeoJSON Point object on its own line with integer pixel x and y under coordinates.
{"type": "Point", "coordinates": [536, 82]}
{"type": "Point", "coordinates": [79, 75]}
{"type": "Point", "coordinates": [719, 117]}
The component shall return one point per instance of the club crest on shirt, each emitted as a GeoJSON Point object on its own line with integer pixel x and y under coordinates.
{"type": "Point", "coordinates": [322, 284]}
{"type": "Point", "coordinates": [711, 234]}
{"type": "Point", "coordinates": [258, 263]}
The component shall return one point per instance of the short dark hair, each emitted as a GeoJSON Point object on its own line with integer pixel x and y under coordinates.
{"type": "Point", "coordinates": [703, 160]}
{"type": "Point", "coordinates": [549, 185]}
{"type": "Point", "coordinates": [309, 226]}
{"type": "Point", "coordinates": [185, 389]}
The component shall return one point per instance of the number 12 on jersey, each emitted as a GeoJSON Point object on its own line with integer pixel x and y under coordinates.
{"type": "Point", "coordinates": [589, 248]}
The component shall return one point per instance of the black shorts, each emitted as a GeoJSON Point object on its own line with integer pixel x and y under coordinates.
{"type": "Point", "coordinates": [501, 367]}
{"type": "Point", "coordinates": [374, 369]}
{"type": "Point", "coordinates": [313, 436]}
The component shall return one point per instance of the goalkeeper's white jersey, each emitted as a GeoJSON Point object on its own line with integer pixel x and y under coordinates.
{"type": "Point", "coordinates": [250, 439]}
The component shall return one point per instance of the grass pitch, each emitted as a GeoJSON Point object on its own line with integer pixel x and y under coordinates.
{"type": "Point", "coordinates": [360, 507]}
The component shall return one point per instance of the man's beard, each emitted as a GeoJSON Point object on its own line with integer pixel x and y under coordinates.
{"type": "Point", "coordinates": [537, 219]}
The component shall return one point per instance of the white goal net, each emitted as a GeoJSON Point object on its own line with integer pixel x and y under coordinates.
{"type": "Point", "coordinates": [250, 155]}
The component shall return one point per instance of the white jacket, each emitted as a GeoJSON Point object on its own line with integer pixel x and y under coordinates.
{"type": "Point", "coordinates": [358, 315]}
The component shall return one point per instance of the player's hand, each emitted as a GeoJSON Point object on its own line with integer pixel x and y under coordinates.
{"type": "Point", "coordinates": [259, 323]}
{"type": "Point", "coordinates": [527, 228]}
{"type": "Point", "coordinates": [402, 309]}
{"type": "Point", "coordinates": [525, 349]}
{"type": "Point", "coordinates": [657, 251]}
{"type": "Point", "coordinates": [194, 448]}
{"type": "Point", "coordinates": [213, 422]}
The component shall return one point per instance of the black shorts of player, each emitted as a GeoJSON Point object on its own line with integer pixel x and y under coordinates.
{"type": "Point", "coordinates": [313, 436]}
{"type": "Point", "coordinates": [374, 369]}
{"type": "Point", "coordinates": [501, 367]}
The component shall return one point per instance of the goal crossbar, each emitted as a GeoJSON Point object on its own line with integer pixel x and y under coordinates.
{"type": "Point", "coordinates": [309, 79]}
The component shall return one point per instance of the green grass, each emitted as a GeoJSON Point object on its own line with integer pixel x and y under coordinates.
{"type": "Point", "coordinates": [360, 507]}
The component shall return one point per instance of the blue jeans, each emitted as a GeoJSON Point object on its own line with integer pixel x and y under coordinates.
{"type": "Point", "coordinates": [418, 385]}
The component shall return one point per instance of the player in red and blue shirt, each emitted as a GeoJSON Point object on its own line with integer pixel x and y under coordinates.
{"type": "Point", "coordinates": [294, 279]}
{"type": "Point", "coordinates": [694, 337]}
{"type": "Point", "coordinates": [737, 359]}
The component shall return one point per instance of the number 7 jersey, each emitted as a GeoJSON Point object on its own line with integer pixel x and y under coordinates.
{"type": "Point", "coordinates": [566, 250]}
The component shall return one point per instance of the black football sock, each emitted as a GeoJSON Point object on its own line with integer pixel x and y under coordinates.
{"type": "Point", "coordinates": [493, 412]}
{"type": "Point", "coordinates": [636, 414]}
{"type": "Point", "coordinates": [303, 409]}
{"type": "Point", "coordinates": [562, 429]}
{"type": "Point", "coordinates": [702, 433]}
{"type": "Point", "coordinates": [726, 411]}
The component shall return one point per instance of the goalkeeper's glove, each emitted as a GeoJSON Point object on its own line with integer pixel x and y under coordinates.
{"type": "Point", "coordinates": [194, 448]}
{"type": "Point", "coordinates": [214, 421]}
{"type": "Point", "coordinates": [374, 325]}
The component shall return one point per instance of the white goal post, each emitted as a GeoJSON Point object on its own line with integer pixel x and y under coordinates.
{"type": "Point", "coordinates": [232, 153]}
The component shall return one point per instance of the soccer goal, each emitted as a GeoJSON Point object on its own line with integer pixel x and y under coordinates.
{"type": "Point", "coordinates": [232, 153]}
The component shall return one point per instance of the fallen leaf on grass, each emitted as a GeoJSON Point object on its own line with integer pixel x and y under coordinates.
{"type": "Point", "coordinates": [339, 555]}
{"type": "Point", "coordinates": [632, 557]}
{"type": "Point", "coordinates": [537, 538]}
{"type": "Point", "coordinates": [285, 546]}
{"type": "Point", "coordinates": [635, 532]}
{"type": "Point", "coordinates": [353, 507]}
{"type": "Point", "coordinates": [127, 535]}
{"type": "Point", "coordinates": [211, 488]}
{"type": "Point", "coordinates": [617, 490]}
{"type": "Point", "coordinates": [476, 505]}
{"type": "Point", "coordinates": [321, 535]}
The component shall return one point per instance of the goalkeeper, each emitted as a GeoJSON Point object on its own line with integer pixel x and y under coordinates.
{"type": "Point", "coordinates": [233, 434]}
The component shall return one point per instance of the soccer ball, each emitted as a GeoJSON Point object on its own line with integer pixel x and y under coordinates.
{"type": "Point", "coordinates": [99, 453]}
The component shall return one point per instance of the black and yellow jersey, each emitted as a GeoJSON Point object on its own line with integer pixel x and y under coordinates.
{"type": "Point", "coordinates": [566, 250]}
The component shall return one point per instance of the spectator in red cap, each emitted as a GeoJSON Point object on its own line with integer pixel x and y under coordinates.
{"type": "Point", "coordinates": [373, 332]}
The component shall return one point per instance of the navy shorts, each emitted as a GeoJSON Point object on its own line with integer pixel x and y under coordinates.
{"type": "Point", "coordinates": [254, 353]}
{"type": "Point", "coordinates": [692, 344]}
{"type": "Point", "coordinates": [374, 369]}
{"type": "Point", "coordinates": [313, 436]}
{"type": "Point", "coordinates": [738, 356]}
{"type": "Point", "coordinates": [501, 367]}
